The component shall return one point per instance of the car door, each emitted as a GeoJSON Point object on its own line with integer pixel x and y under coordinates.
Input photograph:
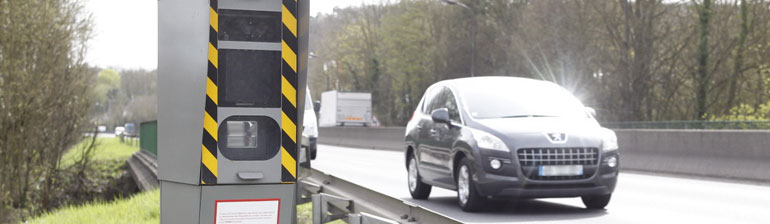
{"type": "Point", "coordinates": [445, 135]}
{"type": "Point", "coordinates": [429, 166]}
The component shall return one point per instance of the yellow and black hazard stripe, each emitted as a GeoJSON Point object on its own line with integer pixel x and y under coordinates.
{"type": "Point", "coordinates": [289, 81]}
{"type": "Point", "coordinates": [209, 146]}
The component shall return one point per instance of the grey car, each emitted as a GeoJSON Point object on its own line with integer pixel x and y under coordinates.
{"type": "Point", "coordinates": [506, 137]}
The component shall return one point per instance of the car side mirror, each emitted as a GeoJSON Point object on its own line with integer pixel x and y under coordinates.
{"type": "Point", "coordinates": [440, 115]}
{"type": "Point", "coordinates": [591, 111]}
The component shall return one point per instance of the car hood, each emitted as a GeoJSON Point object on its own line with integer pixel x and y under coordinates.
{"type": "Point", "coordinates": [532, 131]}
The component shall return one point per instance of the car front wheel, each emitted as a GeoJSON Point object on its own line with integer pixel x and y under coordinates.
{"type": "Point", "coordinates": [467, 196]}
{"type": "Point", "coordinates": [417, 188]}
{"type": "Point", "coordinates": [596, 202]}
{"type": "Point", "coordinates": [313, 153]}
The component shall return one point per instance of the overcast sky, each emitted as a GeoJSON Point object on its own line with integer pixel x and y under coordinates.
{"type": "Point", "coordinates": [126, 31]}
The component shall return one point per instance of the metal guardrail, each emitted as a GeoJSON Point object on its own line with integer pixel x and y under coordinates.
{"type": "Point", "coordinates": [688, 125]}
{"type": "Point", "coordinates": [334, 198]}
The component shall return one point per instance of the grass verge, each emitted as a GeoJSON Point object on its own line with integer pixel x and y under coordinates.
{"type": "Point", "coordinates": [104, 183]}
{"type": "Point", "coordinates": [140, 208]}
{"type": "Point", "coordinates": [107, 149]}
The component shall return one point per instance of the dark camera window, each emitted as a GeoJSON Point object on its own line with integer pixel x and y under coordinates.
{"type": "Point", "coordinates": [255, 26]}
{"type": "Point", "coordinates": [249, 138]}
{"type": "Point", "coordinates": [249, 78]}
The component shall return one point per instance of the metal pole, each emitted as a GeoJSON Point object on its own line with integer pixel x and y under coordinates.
{"type": "Point", "coordinates": [473, 44]}
{"type": "Point", "coordinates": [473, 31]}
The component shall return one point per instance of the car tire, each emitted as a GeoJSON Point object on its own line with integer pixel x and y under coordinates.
{"type": "Point", "coordinates": [313, 153]}
{"type": "Point", "coordinates": [467, 196]}
{"type": "Point", "coordinates": [417, 188]}
{"type": "Point", "coordinates": [597, 201]}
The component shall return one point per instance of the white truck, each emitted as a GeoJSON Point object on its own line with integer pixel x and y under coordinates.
{"type": "Point", "coordinates": [345, 108]}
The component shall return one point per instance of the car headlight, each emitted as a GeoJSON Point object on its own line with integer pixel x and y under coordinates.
{"type": "Point", "coordinates": [488, 141]}
{"type": "Point", "coordinates": [609, 140]}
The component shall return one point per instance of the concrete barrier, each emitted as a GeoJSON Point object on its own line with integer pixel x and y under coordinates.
{"type": "Point", "coordinates": [734, 154]}
{"type": "Point", "coordinates": [143, 167]}
{"type": "Point", "coordinates": [390, 138]}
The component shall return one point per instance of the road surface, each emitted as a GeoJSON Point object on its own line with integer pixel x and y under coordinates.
{"type": "Point", "coordinates": [638, 198]}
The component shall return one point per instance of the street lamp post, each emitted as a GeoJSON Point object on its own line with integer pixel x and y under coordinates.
{"type": "Point", "coordinates": [473, 32]}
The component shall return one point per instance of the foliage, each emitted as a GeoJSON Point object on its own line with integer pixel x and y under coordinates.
{"type": "Point", "coordinates": [747, 112]}
{"type": "Point", "coordinates": [140, 208]}
{"type": "Point", "coordinates": [631, 60]}
{"type": "Point", "coordinates": [139, 88]}
{"type": "Point", "coordinates": [44, 98]}
{"type": "Point", "coordinates": [125, 96]}
{"type": "Point", "coordinates": [84, 175]}
{"type": "Point", "coordinates": [107, 84]}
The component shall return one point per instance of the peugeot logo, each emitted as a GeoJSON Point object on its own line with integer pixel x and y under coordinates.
{"type": "Point", "coordinates": [557, 137]}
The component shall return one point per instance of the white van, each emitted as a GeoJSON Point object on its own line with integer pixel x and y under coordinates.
{"type": "Point", "coordinates": [310, 126]}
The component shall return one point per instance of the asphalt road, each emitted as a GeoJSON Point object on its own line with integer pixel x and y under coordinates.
{"type": "Point", "coordinates": [638, 198]}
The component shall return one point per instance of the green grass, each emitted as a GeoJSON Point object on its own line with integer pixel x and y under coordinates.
{"type": "Point", "coordinates": [140, 208]}
{"type": "Point", "coordinates": [107, 149]}
{"type": "Point", "coordinates": [305, 214]}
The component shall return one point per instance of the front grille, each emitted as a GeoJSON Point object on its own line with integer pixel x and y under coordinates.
{"type": "Point", "coordinates": [558, 156]}
{"type": "Point", "coordinates": [531, 158]}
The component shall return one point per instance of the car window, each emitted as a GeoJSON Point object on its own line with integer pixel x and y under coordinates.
{"type": "Point", "coordinates": [426, 100]}
{"type": "Point", "coordinates": [436, 101]}
{"type": "Point", "coordinates": [451, 105]}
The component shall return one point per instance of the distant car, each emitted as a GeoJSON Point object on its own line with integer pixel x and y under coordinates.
{"type": "Point", "coordinates": [120, 130]}
{"type": "Point", "coordinates": [505, 137]}
{"type": "Point", "coordinates": [101, 128]}
{"type": "Point", "coordinates": [310, 127]}
{"type": "Point", "coordinates": [129, 129]}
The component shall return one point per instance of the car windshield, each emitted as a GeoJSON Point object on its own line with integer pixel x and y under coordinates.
{"type": "Point", "coordinates": [512, 100]}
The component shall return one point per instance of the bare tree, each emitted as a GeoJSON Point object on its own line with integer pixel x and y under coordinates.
{"type": "Point", "coordinates": [44, 96]}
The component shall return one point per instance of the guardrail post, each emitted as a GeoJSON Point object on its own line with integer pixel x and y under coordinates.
{"type": "Point", "coordinates": [306, 190]}
{"type": "Point", "coordinates": [354, 219]}
{"type": "Point", "coordinates": [316, 198]}
{"type": "Point", "coordinates": [327, 208]}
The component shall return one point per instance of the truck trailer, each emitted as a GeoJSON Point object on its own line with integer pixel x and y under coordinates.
{"type": "Point", "coordinates": [345, 109]}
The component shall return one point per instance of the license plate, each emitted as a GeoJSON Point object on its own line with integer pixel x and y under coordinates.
{"type": "Point", "coordinates": [571, 170]}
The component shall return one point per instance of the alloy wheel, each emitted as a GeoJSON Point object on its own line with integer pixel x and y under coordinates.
{"type": "Point", "coordinates": [463, 187]}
